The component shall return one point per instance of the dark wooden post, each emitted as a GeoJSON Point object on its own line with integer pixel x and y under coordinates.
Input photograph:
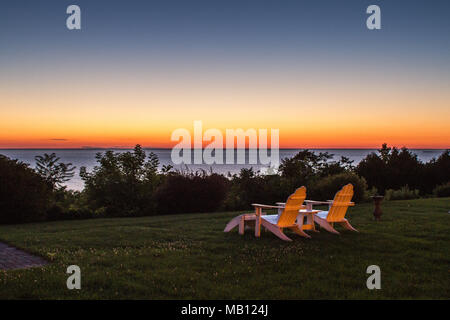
{"type": "Point", "coordinates": [377, 202]}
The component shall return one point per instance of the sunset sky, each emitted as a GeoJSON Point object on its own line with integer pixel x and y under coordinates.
{"type": "Point", "coordinates": [138, 70]}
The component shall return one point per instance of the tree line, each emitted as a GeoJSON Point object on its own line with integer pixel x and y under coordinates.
{"type": "Point", "coordinates": [133, 184]}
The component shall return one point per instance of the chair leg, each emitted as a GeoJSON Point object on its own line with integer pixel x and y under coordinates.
{"type": "Point", "coordinates": [258, 227]}
{"type": "Point", "coordinates": [242, 225]}
{"type": "Point", "coordinates": [310, 220]}
{"type": "Point", "coordinates": [233, 223]}
{"type": "Point", "coordinates": [300, 232]}
{"type": "Point", "coordinates": [348, 226]}
{"type": "Point", "coordinates": [275, 230]}
{"type": "Point", "coordinates": [325, 224]}
{"type": "Point", "coordinates": [300, 220]}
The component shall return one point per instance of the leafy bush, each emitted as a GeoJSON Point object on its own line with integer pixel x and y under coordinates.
{"type": "Point", "coordinates": [123, 184]}
{"type": "Point", "coordinates": [24, 195]}
{"type": "Point", "coordinates": [442, 190]}
{"type": "Point", "coordinates": [249, 187]}
{"type": "Point", "coordinates": [371, 193]}
{"type": "Point", "coordinates": [402, 194]}
{"type": "Point", "coordinates": [326, 188]}
{"type": "Point", "coordinates": [191, 192]}
{"type": "Point", "coordinates": [306, 167]}
{"type": "Point", "coordinates": [69, 205]}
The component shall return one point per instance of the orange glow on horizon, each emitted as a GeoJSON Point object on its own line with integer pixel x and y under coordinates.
{"type": "Point", "coordinates": [335, 112]}
{"type": "Point", "coordinates": [299, 140]}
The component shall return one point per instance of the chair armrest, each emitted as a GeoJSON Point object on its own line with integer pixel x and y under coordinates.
{"type": "Point", "coordinates": [318, 202]}
{"type": "Point", "coordinates": [309, 211]}
{"type": "Point", "coordinates": [283, 205]}
{"type": "Point", "coordinates": [349, 203]}
{"type": "Point", "coordinates": [257, 205]}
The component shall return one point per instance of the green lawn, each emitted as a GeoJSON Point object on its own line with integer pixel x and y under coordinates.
{"type": "Point", "coordinates": [189, 257]}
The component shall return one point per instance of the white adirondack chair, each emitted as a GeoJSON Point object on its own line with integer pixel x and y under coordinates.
{"type": "Point", "coordinates": [337, 210]}
{"type": "Point", "coordinates": [277, 222]}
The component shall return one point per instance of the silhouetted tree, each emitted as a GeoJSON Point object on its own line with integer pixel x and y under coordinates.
{"type": "Point", "coordinates": [306, 167]}
{"type": "Point", "coordinates": [54, 172]}
{"type": "Point", "coordinates": [392, 169]}
{"type": "Point", "coordinates": [123, 184]}
{"type": "Point", "coordinates": [437, 171]}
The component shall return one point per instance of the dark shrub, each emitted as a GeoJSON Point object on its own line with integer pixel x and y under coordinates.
{"type": "Point", "coordinates": [249, 187]}
{"type": "Point", "coordinates": [326, 188]}
{"type": "Point", "coordinates": [437, 171]}
{"type": "Point", "coordinates": [191, 192]}
{"type": "Point", "coordinates": [403, 193]}
{"type": "Point", "coordinates": [24, 195]}
{"type": "Point", "coordinates": [55, 212]}
{"type": "Point", "coordinates": [75, 213]}
{"type": "Point", "coordinates": [442, 190]}
{"type": "Point", "coordinates": [70, 206]}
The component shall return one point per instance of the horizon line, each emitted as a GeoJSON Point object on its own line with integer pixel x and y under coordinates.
{"type": "Point", "coordinates": [290, 148]}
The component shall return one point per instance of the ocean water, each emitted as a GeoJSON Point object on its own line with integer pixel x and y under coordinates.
{"type": "Point", "coordinates": [86, 158]}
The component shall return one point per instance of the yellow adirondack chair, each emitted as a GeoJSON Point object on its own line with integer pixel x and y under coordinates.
{"type": "Point", "coordinates": [337, 210]}
{"type": "Point", "coordinates": [276, 222]}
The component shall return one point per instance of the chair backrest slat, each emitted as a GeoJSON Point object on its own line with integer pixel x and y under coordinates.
{"type": "Point", "coordinates": [293, 204]}
{"type": "Point", "coordinates": [340, 204]}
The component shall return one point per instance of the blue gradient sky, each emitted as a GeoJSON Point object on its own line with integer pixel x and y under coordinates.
{"type": "Point", "coordinates": [171, 62]}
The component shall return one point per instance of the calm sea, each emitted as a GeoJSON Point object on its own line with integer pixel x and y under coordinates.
{"type": "Point", "coordinates": [86, 157]}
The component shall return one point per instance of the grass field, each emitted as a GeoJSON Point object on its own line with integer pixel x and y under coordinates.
{"type": "Point", "coordinates": [189, 257]}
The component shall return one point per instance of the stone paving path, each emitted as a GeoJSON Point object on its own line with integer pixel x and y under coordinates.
{"type": "Point", "coordinates": [13, 258]}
